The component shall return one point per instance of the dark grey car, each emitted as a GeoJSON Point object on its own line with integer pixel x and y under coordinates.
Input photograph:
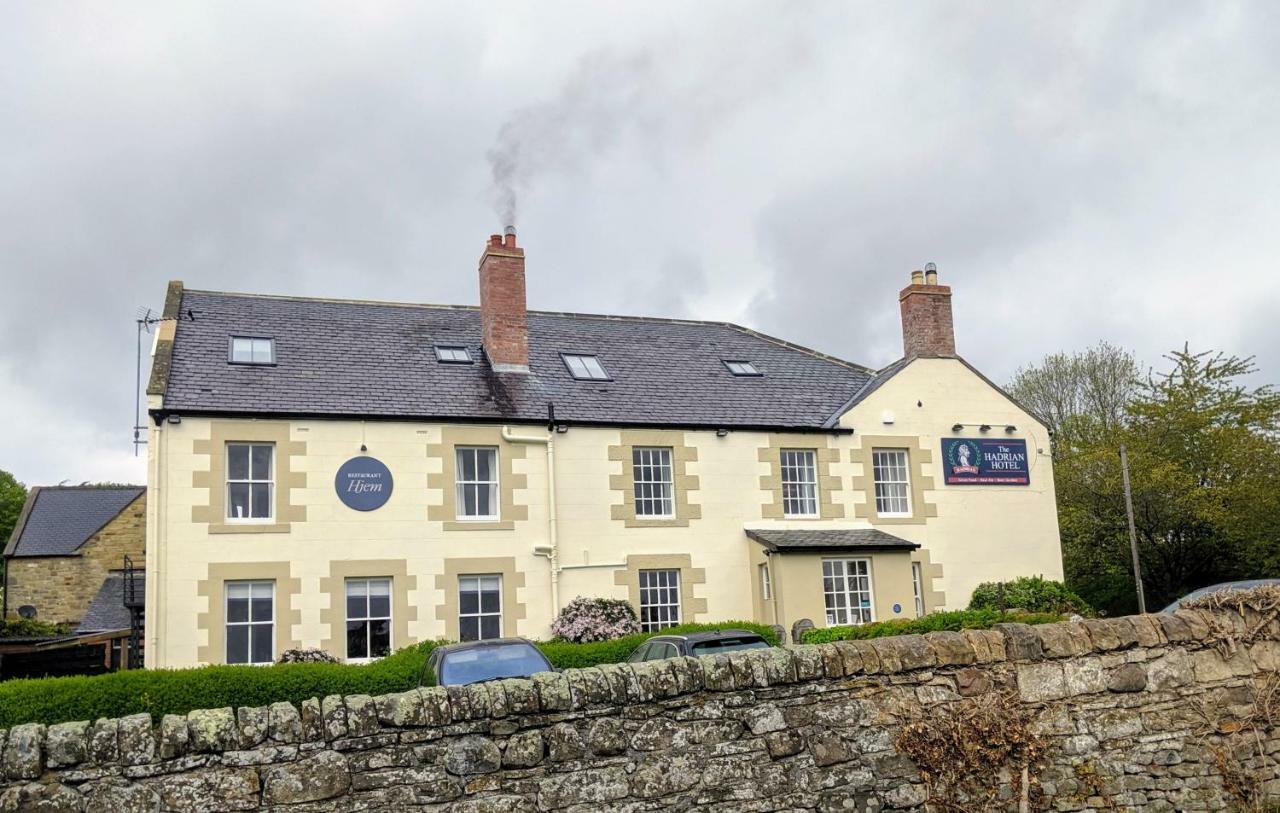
{"type": "Point", "coordinates": [660, 647]}
{"type": "Point", "coordinates": [478, 661]}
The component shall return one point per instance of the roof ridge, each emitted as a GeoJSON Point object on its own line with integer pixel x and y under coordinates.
{"type": "Point", "coordinates": [669, 320]}
{"type": "Point", "coordinates": [92, 487]}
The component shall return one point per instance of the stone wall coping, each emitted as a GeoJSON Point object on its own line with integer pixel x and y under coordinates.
{"type": "Point", "coordinates": [27, 750]}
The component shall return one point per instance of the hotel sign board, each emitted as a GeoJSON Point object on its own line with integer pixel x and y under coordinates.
{"type": "Point", "coordinates": [363, 483]}
{"type": "Point", "coordinates": [985, 462]}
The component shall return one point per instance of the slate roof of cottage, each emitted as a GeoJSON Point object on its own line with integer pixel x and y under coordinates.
{"type": "Point", "coordinates": [57, 520]}
{"type": "Point", "coordinates": [806, 540]}
{"type": "Point", "coordinates": [377, 360]}
{"type": "Point", "coordinates": [107, 611]}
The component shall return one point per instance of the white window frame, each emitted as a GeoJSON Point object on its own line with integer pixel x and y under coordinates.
{"type": "Point", "coordinates": [855, 614]}
{"type": "Point", "coordinates": [460, 486]}
{"type": "Point", "coordinates": [743, 369]}
{"type": "Point", "coordinates": [255, 344]}
{"type": "Point", "coordinates": [368, 619]}
{"type": "Point", "coordinates": [791, 462]}
{"type": "Point", "coordinates": [766, 582]}
{"type": "Point", "coordinates": [585, 367]}
{"type": "Point", "coordinates": [227, 623]}
{"type": "Point", "coordinates": [453, 354]}
{"type": "Point", "coordinates": [479, 614]}
{"type": "Point", "coordinates": [917, 586]}
{"type": "Point", "coordinates": [882, 469]}
{"type": "Point", "coordinates": [270, 482]}
{"type": "Point", "coordinates": [659, 489]}
{"type": "Point", "coordinates": [657, 586]}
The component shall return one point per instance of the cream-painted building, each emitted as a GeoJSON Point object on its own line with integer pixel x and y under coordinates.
{"type": "Point", "coordinates": [358, 476]}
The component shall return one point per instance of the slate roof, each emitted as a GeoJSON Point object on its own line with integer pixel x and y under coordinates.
{"type": "Point", "coordinates": [370, 359]}
{"type": "Point", "coordinates": [107, 610]}
{"type": "Point", "coordinates": [816, 541]}
{"type": "Point", "coordinates": [57, 520]}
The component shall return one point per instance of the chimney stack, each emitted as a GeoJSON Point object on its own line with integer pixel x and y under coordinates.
{"type": "Point", "coordinates": [503, 319]}
{"type": "Point", "coordinates": [927, 329]}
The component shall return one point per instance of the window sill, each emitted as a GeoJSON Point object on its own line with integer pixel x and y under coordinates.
{"type": "Point", "coordinates": [479, 525]}
{"type": "Point", "coordinates": [801, 516]}
{"type": "Point", "coordinates": [249, 528]}
{"type": "Point", "coordinates": [656, 522]}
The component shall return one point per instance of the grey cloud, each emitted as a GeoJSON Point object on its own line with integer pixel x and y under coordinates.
{"type": "Point", "coordinates": [1078, 172]}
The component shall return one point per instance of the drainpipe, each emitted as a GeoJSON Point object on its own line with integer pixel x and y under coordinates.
{"type": "Point", "coordinates": [553, 557]}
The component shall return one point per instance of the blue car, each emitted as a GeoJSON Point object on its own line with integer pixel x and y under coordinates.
{"type": "Point", "coordinates": [478, 661]}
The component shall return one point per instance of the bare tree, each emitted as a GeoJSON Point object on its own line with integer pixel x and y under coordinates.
{"type": "Point", "coordinates": [1079, 394]}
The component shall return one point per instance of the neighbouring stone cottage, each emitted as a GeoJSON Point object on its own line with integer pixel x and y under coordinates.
{"type": "Point", "coordinates": [1152, 713]}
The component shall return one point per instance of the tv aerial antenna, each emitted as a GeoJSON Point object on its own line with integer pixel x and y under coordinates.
{"type": "Point", "coordinates": [144, 319]}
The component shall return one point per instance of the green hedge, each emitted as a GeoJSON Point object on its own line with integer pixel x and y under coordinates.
{"type": "Point", "coordinates": [1031, 594]}
{"type": "Point", "coordinates": [564, 655]}
{"type": "Point", "coordinates": [177, 691]}
{"type": "Point", "coordinates": [934, 622]}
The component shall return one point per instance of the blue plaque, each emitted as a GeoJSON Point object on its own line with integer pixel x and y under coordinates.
{"type": "Point", "coordinates": [985, 462]}
{"type": "Point", "coordinates": [897, 608]}
{"type": "Point", "coordinates": [363, 483]}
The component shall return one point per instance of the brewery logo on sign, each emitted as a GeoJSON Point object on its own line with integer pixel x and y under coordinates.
{"type": "Point", "coordinates": [363, 483]}
{"type": "Point", "coordinates": [985, 462]}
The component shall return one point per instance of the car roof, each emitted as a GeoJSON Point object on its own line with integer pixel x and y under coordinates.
{"type": "Point", "coordinates": [712, 635]}
{"type": "Point", "coordinates": [485, 644]}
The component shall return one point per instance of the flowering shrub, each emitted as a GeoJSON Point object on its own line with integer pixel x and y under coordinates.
{"type": "Point", "coordinates": [306, 656]}
{"type": "Point", "coordinates": [595, 619]}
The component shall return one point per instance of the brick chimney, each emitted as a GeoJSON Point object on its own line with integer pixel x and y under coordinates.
{"type": "Point", "coordinates": [502, 304]}
{"type": "Point", "coordinates": [927, 329]}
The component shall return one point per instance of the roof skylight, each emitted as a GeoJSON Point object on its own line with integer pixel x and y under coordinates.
{"type": "Point", "coordinates": [452, 354]}
{"type": "Point", "coordinates": [252, 350]}
{"type": "Point", "coordinates": [585, 368]}
{"type": "Point", "coordinates": [742, 368]}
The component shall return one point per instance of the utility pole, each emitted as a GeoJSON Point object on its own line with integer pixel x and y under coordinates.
{"type": "Point", "coordinates": [1133, 534]}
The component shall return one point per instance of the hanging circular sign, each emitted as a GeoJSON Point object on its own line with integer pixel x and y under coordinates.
{"type": "Point", "coordinates": [363, 483]}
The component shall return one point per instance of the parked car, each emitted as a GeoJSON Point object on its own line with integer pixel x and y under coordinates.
{"type": "Point", "coordinates": [478, 661]}
{"type": "Point", "coordinates": [1219, 588]}
{"type": "Point", "coordinates": [660, 647]}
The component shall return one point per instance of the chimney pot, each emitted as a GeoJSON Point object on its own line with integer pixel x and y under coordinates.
{"type": "Point", "coordinates": [930, 274]}
{"type": "Point", "coordinates": [917, 277]}
{"type": "Point", "coordinates": [503, 312]}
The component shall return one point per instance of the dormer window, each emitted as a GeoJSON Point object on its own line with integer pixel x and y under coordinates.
{"type": "Point", "coordinates": [452, 354]}
{"type": "Point", "coordinates": [742, 368]}
{"type": "Point", "coordinates": [585, 368]}
{"type": "Point", "coordinates": [252, 350]}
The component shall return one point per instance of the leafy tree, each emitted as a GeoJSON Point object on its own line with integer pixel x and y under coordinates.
{"type": "Point", "coordinates": [12, 495]}
{"type": "Point", "coordinates": [1204, 456]}
{"type": "Point", "coordinates": [1080, 395]}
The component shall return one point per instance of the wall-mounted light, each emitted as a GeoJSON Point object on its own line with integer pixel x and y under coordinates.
{"type": "Point", "coordinates": [175, 419]}
{"type": "Point", "coordinates": [986, 427]}
{"type": "Point", "coordinates": [561, 428]}
{"type": "Point", "coordinates": [1011, 429]}
{"type": "Point", "coordinates": [957, 427]}
{"type": "Point", "coordinates": [364, 448]}
{"type": "Point", "coordinates": [720, 433]}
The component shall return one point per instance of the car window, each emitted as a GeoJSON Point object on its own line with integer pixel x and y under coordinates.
{"type": "Point", "coordinates": [729, 645]}
{"type": "Point", "coordinates": [661, 651]}
{"type": "Point", "coordinates": [490, 662]}
{"type": "Point", "coordinates": [640, 653]}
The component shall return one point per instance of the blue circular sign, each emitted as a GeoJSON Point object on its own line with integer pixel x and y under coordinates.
{"type": "Point", "coordinates": [897, 608]}
{"type": "Point", "coordinates": [363, 483]}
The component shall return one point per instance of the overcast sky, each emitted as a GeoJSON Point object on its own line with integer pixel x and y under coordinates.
{"type": "Point", "coordinates": [1078, 171]}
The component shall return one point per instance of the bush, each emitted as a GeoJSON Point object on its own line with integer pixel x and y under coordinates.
{"type": "Point", "coordinates": [1030, 593]}
{"type": "Point", "coordinates": [595, 619]}
{"type": "Point", "coordinates": [178, 691]}
{"type": "Point", "coordinates": [566, 655]}
{"type": "Point", "coordinates": [934, 622]}
{"type": "Point", "coordinates": [306, 656]}
{"type": "Point", "coordinates": [31, 628]}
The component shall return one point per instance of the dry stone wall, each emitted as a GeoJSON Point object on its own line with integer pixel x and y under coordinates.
{"type": "Point", "coordinates": [1154, 713]}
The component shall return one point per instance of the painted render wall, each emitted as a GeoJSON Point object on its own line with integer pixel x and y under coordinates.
{"type": "Point", "coordinates": [980, 533]}
{"type": "Point", "coordinates": [970, 537]}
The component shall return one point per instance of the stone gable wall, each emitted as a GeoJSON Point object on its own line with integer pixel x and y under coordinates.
{"type": "Point", "coordinates": [1137, 713]}
{"type": "Point", "coordinates": [62, 587]}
